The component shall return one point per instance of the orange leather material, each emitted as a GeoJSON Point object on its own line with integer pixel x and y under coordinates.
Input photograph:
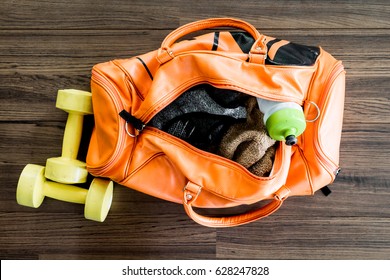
{"type": "Point", "coordinates": [166, 52]}
{"type": "Point", "coordinates": [220, 70]}
{"type": "Point", "coordinates": [159, 164]}
{"type": "Point", "coordinates": [192, 192]}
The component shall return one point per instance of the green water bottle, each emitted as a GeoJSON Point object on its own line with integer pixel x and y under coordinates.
{"type": "Point", "coordinates": [285, 121]}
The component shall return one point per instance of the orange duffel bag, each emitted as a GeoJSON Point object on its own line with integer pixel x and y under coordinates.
{"type": "Point", "coordinates": [182, 124]}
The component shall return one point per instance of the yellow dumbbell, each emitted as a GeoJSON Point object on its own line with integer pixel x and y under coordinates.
{"type": "Point", "coordinates": [67, 169]}
{"type": "Point", "coordinates": [33, 187]}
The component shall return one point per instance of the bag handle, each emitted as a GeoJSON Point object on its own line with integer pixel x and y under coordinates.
{"type": "Point", "coordinates": [165, 53]}
{"type": "Point", "coordinates": [192, 191]}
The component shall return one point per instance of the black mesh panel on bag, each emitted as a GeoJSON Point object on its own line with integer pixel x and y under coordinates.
{"type": "Point", "coordinates": [295, 54]}
{"type": "Point", "coordinates": [290, 54]}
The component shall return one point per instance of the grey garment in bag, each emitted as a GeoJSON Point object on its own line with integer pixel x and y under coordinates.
{"type": "Point", "coordinates": [201, 115]}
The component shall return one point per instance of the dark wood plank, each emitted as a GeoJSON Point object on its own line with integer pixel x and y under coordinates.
{"type": "Point", "coordinates": [29, 143]}
{"type": "Point", "coordinates": [139, 14]}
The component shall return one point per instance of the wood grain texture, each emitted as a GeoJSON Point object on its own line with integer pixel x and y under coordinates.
{"type": "Point", "coordinates": [50, 45]}
{"type": "Point", "coordinates": [138, 14]}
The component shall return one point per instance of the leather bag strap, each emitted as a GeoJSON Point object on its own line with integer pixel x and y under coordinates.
{"type": "Point", "coordinates": [257, 52]}
{"type": "Point", "coordinates": [192, 191]}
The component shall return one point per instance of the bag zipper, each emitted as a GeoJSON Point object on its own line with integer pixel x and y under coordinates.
{"type": "Point", "coordinates": [162, 103]}
{"type": "Point", "coordinates": [102, 81]}
{"type": "Point", "coordinates": [331, 167]}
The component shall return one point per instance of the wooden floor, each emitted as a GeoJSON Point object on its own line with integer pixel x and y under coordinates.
{"type": "Point", "coordinates": [51, 45]}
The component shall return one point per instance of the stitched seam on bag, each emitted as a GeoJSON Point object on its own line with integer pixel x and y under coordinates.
{"type": "Point", "coordinates": [128, 164]}
{"type": "Point", "coordinates": [146, 162]}
{"type": "Point", "coordinates": [129, 79]}
{"type": "Point", "coordinates": [314, 76]}
{"type": "Point", "coordinates": [104, 86]}
{"type": "Point", "coordinates": [306, 169]}
{"type": "Point", "coordinates": [325, 107]}
{"type": "Point", "coordinates": [320, 146]}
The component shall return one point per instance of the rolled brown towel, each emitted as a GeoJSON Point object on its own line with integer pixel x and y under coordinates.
{"type": "Point", "coordinates": [248, 143]}
{"type": "Point", "coordinates": [263, 167]}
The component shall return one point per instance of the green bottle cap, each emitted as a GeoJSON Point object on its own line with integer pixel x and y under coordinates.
{"type": "Point", "coordinates": [286, 124]}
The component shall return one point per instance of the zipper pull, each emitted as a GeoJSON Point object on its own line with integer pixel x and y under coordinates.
{"type": "Point", "coordinates": [136, 123]}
